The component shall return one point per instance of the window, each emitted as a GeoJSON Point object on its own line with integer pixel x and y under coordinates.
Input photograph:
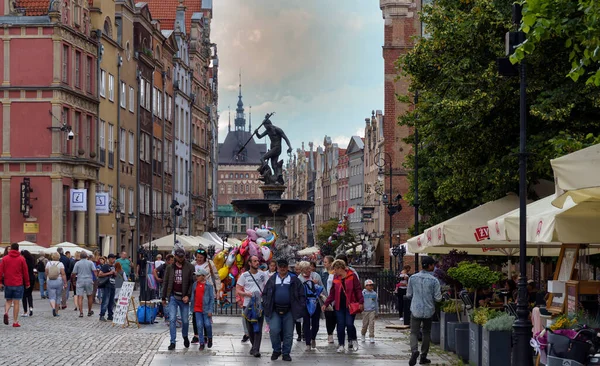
{"type": "Point", "coordinates": [131, 200]}
{"type": "Point", "coordinates": [65, 64]}
{"type": "Point", "coordinates": [141, 190]}
{"type": "Point", "coordinates": [122, 199]}
{"type": "Point", "coordinates": [123, 95]}
{"type": "Point", "coordinates": [142, 147]}
{"type": "Point", "coordinates": [87, 128]}
{"type": "Point", "coordinates": [111, 87]}
{"type": "Point", "coordinates": [131, 147]}
{"type": "Point", "coordinates": [88, 74]}
{"type": "Point", "coordinates": [170, 160]}
{"type": "Point", "coordinates": [142, 93]}
{"type": "Point", "coordinates": [148, 95]}
{"type": "Point", "coordinates": [154, 200]}
{"type": "Point", "coordinates": [154, 109]}
{"type": "Point", "coordinates": [102, 141]}
{"type": "Point", "coordinates": [111, 145]}
{"type": "Point", "coordinates": [147, 199]}
{"type": "Point", "coordinates": [77, 69]}
{"type": "Point", "coordinates": [110, 193]}
{"type": "Point", "coordinates": [122, 144]}
{"type": "Point", "coordinates": [103, 83]}
{"type": "Point", "coordinates": [131, 99]}
{"type": "Point", "coordinates": [169, 107]}
{"type": "Point", "coordinates": [158, 102]}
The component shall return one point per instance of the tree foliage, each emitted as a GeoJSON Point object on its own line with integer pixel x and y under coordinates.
{"type": "Point", "coordinates": [575, 22]}
{"type": "Point", "coordinates": [468, 115]}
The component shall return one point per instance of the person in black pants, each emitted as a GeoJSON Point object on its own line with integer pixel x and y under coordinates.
{"type": "Point", "coordinates": [28, 293]}
{"type": "Point", "coordinates": [401, 289]}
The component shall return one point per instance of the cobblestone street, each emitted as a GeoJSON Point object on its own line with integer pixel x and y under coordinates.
{"type": "Point", "coordinates": [70, 340]}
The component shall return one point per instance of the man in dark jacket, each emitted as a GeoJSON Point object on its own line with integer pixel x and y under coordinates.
{"type": "Point", "coordinates": [177, 287]}
{"type": "Point", "coordinates": [284, 302]}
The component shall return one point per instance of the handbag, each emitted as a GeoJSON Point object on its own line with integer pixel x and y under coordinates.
{"type": "Point", "coordinates": [353, 307]}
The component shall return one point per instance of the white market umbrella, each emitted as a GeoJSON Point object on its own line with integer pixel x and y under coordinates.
{"type": "Point", "coordinates": [66, 246]}
{"type": "Point", "coordinates": [32, 248]}
{"type": "Point", "coordinates": [308, 251]}
{"type": "Point", "coordinates": [546, 223]}
{"type": "Point", "coordinates": [166, 243]}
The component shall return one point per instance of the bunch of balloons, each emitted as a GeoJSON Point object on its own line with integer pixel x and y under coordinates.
{"type": "Point", "coordinates": [230, 262]}
{"type": "Point", "coordinates": [332, 242]}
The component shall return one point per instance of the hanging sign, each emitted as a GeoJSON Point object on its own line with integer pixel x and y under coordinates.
{"type": "Point", "coordinates": [78, 200]}
{"type": "Point", "coordinates": [102, 203]}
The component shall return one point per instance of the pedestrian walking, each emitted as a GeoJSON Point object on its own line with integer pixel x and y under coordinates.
{"type": "Point", "coordinates": [327, 278]}
{"type": "Point", "coordinates": [371, 310]}
{"type": "Point", "coordinates": [106, 284]}
{"type": "Point", "coordinates": [72, 280]}
{"type": "Point", "coordinates": [66, 263]}
{"type": "Point", "coordinates": [14, 278]}
{"type": "Point", "coordinates": [57, 282]}
{"type": "Point", "coordinates": [40, 267]}
{"type": "Point", "coordinates": [212, 277]}
{"type": "Point", "coordinates": [313, 286]}
{"type": "Point", "coordinates": [177, 287]}
{"type": "Point", "coordinates": [28, 292]}
{"type": "Point", "coordinates": [250, 287]}
{"type": "Point", "coordinates": [159, 275]}
{"type": "Point", "coordinates": [346, 291]}
{"type": "Point", "coordinates": [424, 290]}
{"type": "Point", "coordinates": [283, 300]}
{"type": "Point", "coordinates": [401, 289]}
{"type": "Point", "coordinates": [203, 302]}
{"type": "Point", "coordinates": [85, 270]}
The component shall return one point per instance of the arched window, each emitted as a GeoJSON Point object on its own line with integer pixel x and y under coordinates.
{"type": "Point", "coordinates": [107, 27]}
{"type": "Point", "coordinates": [235, 188]}
{"type": "Point", "coordinates": [246, 175]}
{"type": "Point", "coordinates": [157, 52]}
{"type": "Point", "coordinates": [247, 187]}
{"type": "Point", "coordinates": [230, 175]}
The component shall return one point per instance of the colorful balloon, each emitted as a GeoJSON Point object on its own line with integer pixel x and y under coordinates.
{"type": "Point", "coordinates": [223, 272]}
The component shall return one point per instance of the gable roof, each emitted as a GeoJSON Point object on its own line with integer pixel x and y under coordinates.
{"type": "Point", "coordinates": [166, 12]}
{"type": "Point", "coordinates": [356, 144]}
{"type": "Point", "coordinates": [228, 150]}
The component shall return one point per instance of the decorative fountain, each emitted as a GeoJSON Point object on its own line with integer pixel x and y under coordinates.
{"type": "Point", "coordinates": [272, 208]}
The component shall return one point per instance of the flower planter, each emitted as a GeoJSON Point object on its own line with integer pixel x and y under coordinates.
{"type": "Point", "coordinates": [451, 333]}
{"type": "Point", "coordinates": [499, 353]}
{"type": "Point", "coordinates": [435, 332]}
{"type": "Point", "coordinates": [475, 332]}
{"type": "Point", "coordinates": [462, 343]}
{"type": "Point", "coordinates": [444, 319]}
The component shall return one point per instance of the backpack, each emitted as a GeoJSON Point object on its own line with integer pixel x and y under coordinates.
{"type": "Point", "coordinates": [40, 267]}
{"type": "Point", "coordinates": [312, 293]}
{"type": "Point", "coordinates": [53, 271]}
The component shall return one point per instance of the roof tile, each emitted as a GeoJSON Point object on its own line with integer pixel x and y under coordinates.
{"type": "Point", "coordinates": [33, 7]}
{"type": "Point", "coordinates": [166, 10]}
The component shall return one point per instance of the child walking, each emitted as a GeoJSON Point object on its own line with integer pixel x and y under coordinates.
{"type": "Point", "coordinates": [371, 309]}
{"type": "Point", "coordinates": [203, 301]}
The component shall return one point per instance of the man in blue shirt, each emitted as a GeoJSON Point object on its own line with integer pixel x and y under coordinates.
{"type": "Point", "coordinates": [424, 290]}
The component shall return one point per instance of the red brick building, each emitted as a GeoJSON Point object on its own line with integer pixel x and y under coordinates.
{"type": "Point", "coordinates": [401, 25]}
{"type": "Point", "coordinates": [48, 74]}
{"type": "Point", "coordinates": [342, 174]}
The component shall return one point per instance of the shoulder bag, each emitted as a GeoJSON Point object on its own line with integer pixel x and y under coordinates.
{"type": "Point", "coordinates": [353, 307]}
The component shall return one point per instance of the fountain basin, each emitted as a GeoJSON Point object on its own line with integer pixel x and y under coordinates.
{"type": "Point", "coordinates": [272, 207]}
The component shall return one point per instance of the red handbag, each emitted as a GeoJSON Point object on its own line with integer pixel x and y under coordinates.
{"type": "Point", "coordinates": [353, 307]}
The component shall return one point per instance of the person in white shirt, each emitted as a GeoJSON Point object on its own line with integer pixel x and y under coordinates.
{"type": "Point", "coordinates": [158, 262]}
{"type": "Point", "coordinates": [250, 286]}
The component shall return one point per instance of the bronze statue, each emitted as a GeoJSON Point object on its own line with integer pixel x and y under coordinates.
{"type": "Point", "coordinates": [274, 173]}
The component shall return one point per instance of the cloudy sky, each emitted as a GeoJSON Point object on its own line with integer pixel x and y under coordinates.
{"type": "Point", "coordinates": [316, 63]}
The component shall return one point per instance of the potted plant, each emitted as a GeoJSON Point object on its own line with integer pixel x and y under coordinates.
{"type": "Point", "coordinates": [497, 332]}
{"type": "Point", "coordinates": [478, 318]}
{"type": "Point", "coordinates": [449, 313]}
{"type": "Point", "coordinates": [474, 276]}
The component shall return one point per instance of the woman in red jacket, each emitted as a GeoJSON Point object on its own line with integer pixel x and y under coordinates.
{"type": "Point", "coordinates": [346, 289]}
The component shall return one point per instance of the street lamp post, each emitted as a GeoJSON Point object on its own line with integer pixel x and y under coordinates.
{"type": "Point", "coordinates": [522, 352]}
{"type": "Point", "coordinates": [393, 206]}
{"type": "Point", "coordinates": [363, 236]}
{"type": "Point", "coordinates": [132, 221]}
{"type": "Point", "coordinates": [176, 213]}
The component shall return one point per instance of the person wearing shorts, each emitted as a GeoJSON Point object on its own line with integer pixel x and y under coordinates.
{"type": "Point", "coordinates": [14, 278]}
{"type": "Point", "coordinates": [85, 270]}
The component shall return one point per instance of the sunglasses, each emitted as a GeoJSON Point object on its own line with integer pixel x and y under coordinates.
{"type": "Point", "coordinates": [200, 251]}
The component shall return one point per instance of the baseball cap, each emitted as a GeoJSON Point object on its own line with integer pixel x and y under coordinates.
{"type": "Point", "coordinates": [282, 262]}
{"type": "Point", "coordinates": [369, 282]}
{"type": "Point", "coordinates": [201, 272]}
{"type": "Point", "coordinates": [111, 255]}
{"type": "Point", "coordinates": [427, 261]}
{"type": "Point", "coordinates": [179, 252]}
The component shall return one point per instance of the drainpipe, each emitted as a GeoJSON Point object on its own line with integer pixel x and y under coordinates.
{"type": "Point", "coordinates": [163, 150]}
{"type": "Point", "coordinates": [98, 59]}
{"type": "Point", "coordinates": [152, 160]}
{"type": "Point", "coordinates": [190, 170]}
{"type": "Point", "coordinates": [137, 165]}
{"type": "Point", "coordinates": [118, 163]}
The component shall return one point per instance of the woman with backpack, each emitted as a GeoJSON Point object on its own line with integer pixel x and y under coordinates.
{"type": "Point", "coordinates": [313, 286]}
{"type": "Point", "coordinates": [57, 281]}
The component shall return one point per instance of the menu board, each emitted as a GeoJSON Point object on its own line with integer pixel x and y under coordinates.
{"type": "Point", "coordinates": [572, 295]}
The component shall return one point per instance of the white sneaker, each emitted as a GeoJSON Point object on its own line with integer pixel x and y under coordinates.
{"type": "Point", "coordinates": [330, 338]}
{"type": "Point", "coordinates": [355, 345]}
{"type": "Point", "coordinates": [372, 340]}
{"type": "Point", "coordinates": [363, 338]}
{"type": "Point", "coordinates": [401, 319]}
{"type": "Point", "coordinates": [340, 349]}
{"type": "Point", "coordinates": [308, 347]}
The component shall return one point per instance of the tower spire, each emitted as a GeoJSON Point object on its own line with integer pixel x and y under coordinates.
{"type": "Point", "coordinates": [250, 120]}
{"type": "Point", "coordinates": [240, 95]}
{"type": "Point", "coordinates": [229, 107]}
{"type": "Point", "coordinates": [240, 118]}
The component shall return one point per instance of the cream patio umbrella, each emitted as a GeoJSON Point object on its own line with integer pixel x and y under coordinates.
{"type": "Point", "coordinates": [577, 175]}
{"type": "Point", "coordinates": [32, 248]}
{"type": "Point", "coordinates": [66, 246]}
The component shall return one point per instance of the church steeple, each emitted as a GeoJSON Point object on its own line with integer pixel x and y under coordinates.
{"type": "Point", "coordinates": [240, 119]}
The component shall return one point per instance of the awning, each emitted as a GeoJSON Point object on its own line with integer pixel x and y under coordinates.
{"type": "Point", "coordinates": [166, 243]}
{"type": "Point", "coordinates": [467, 231]}
{"type": "Point", "coordinates": [577, 175]}
{"type": "Point", "coordinates": [32, 248]}
{"type": "Point", "coordinates": [548, 224]}
{"type": "Point", "coordinates": [66, 246]}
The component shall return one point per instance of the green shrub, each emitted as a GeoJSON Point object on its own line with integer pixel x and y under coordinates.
{"type": "Point", "coordinates": [501, 323]}
{"type": "Point", "coordinates": [474, 276]}
{"type": "Point", "coordinates": [450, 306]}
{"type": "Point", "coordinates": [482, 315]}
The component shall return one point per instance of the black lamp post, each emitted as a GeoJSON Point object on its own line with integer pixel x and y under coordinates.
{"type": "Point", "coordinates": [522, 352]}
{"type": "Point", "coordinates": [176, 213]}
{"type": "Point", "coordinates": [132, 221]}
{"type": "Point", "coordinates": [363, 237]}
{"type": "Point", "coordinates": [393, 206]}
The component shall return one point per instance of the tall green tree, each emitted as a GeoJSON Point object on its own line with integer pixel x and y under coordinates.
{"type": "Point", "coordinates": [576, 23]}
{"type": "Point", "coordinates": [468, 115]}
